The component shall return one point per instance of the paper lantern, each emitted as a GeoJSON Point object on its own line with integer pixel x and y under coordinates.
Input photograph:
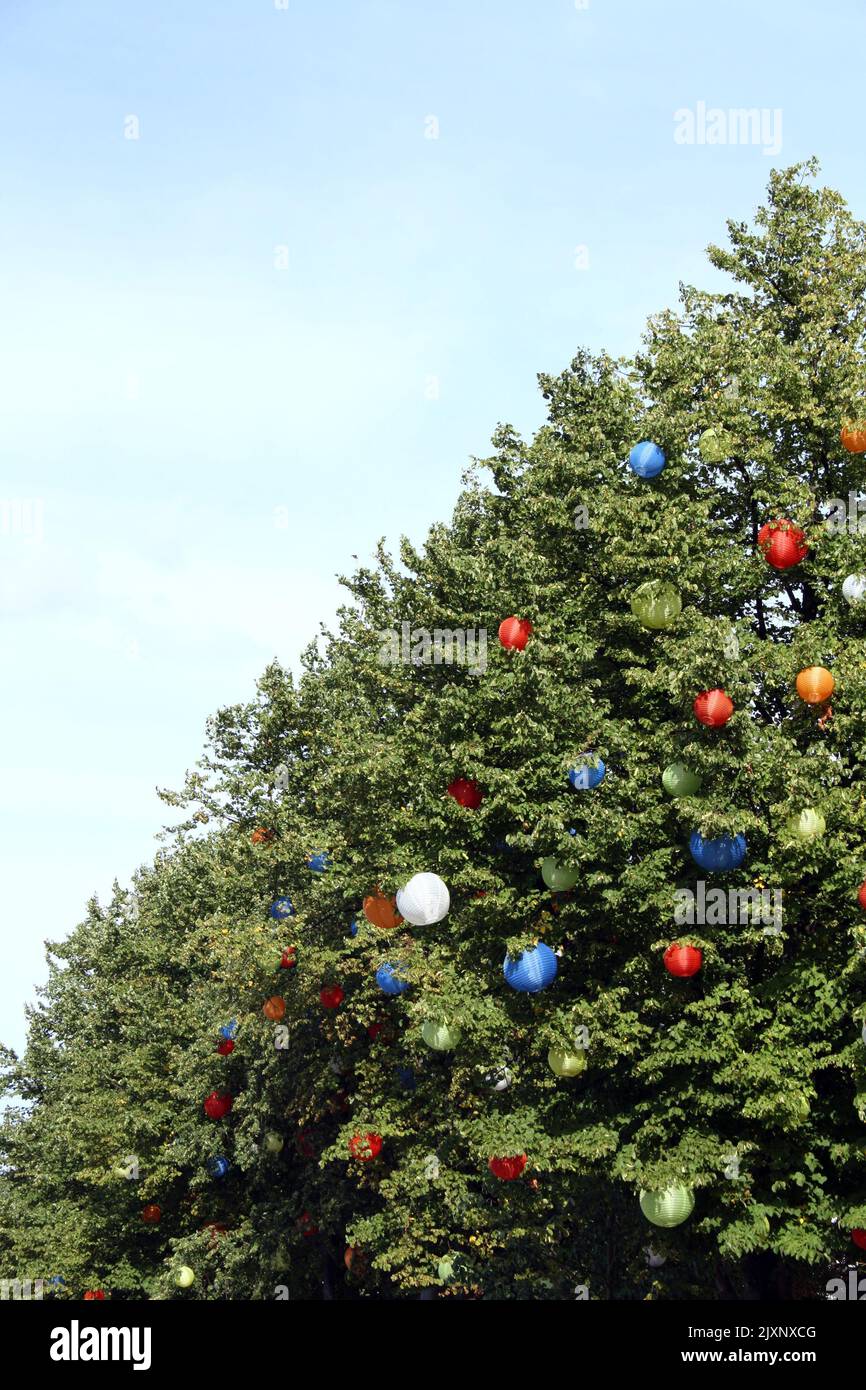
{"type": "Point", "coordinates": [307, 1226]}
{"type": "Point", "coordinates": [646, 459]}
{"type": "Point", "coordinates": [217, 1105]}
{"type": "Point", "coordinates": [289, 958]}
{"type": "Point", "coordinates": [653, 1260]}
{"type": "Point", "coordinates": [226, 1047]}
{"type": "Point", "coordinates": [782, 544]}
{"type": "Point", "coordinates": [305, 1143]}
{"type": "Point", "coordinates": [228, 1030]}
{"type": "Point", "coordinates": [331, 997]}
{"type": "Point", "coordinates": [678, 780]}
{"type": "Point", "coordinates": [683, 961]}
{"type": "Point", "coordinates": [274, 1008]}
{"type": "Point", "coordinates": [93, 1295]}
{"type": "Point", "coordinates": [507, 1169]}
{"type": "Point", "coordinates": [442, 1037]}
{"type": "Point", "coordinates": [424, 900]}
{"type": "Point", "coordinates": [532, 971]}
{"type": "Point", "coordinates": [656, 605]}
{"type": "Point", "coordinates": [407, 1078]}
{"type": "Point", "coordinates": [466, 793]}
{"type": "Point", "coordinates": [274, 1142]}
{"type": "Point", "coordinates": [445, 1269]}
{"type": "Point", "coordinates": [382, 912]}
{"type": "Point", "coordinates": [715, 445]}
{"type": "Point", "coordinates": [356, 1260]}
{"type": "Point", "coordinates": [853, 436]}
{"type": "Point", "coordinates": [861, 896]}
{"type": "Point", "coordinates": [815, 685]}
{"type": "Point", "coordinates": [854, 589]}
{"type": "Point", "coordinates": [564, 1062]}
{"type": "Point", "coordinates": [808, 825]}
{"type": "Point", "coordinates": [184, 1278]}
{"type": "Point", "coordinates": [713, 708]}
{"type": "Point", "coordinates": [587, 775]}
{"type": "Point", "coordinates": [281, 908]}
{"type": "Point", "coordinates": [720, 855]}
{"type": "Point", "coordinates": [218, 1167]}
{"type": "Point", "coordinates": [668, 1208]}
{"type": "Point", "coordinates": [151, 1215]}
{"type": "Point", "coordinates": [858, 1235]}
{"type": "Point", "coordinates": [557, 876]}
{"type": "Point", "coordinates": [353, 927]}
{"type": "Point", "coordinates": [365, 1147]}
{"type": "Point", "coordinates": [262, 836]}
{"type": "Point", "coordinates": [500, 1079]}
{"type": "Point", "coordinates": [514, 633]}
{"type": "Point", "coordinates": [391, 979]}
{"type": "Point", "coordinates": [319, 861]}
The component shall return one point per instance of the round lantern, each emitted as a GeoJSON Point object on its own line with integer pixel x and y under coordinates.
{"type": "Point", "coordinates": [93, 1295]}
{"type": "Point", "coordinates": [331, 997]}
{"type": "Point", "coordinates": [217, 1105]}
{"type": "Point", "coordinates": [507, 1169]}
{"type": "Point", "coordinates": [653, 1260]}
{"type": "Point", "coordinates": [782, 544]}
{"type": "Point", "coordinates": [853, 436]}
{"type": "Point", "coordinates": [656, 605]}
{"type": "Point", "coordinates": [715, 445]}
{"type": "Point", "coordinates": [228, 1030]}
{"type": "Point", "coordinates": [391, 979]}
{"type": "Point", "coordinates": [514, 633]}
{"type": "Point", "coordinates": [861, 896]}
{"type": "Point", "coordinates": [382, 912]}
{"type": "Point", "coordinates": [859, 1237]}
{"type": "Point", "coordinates": [226, 1047]}
{"type": "Point", "coordinates": [353, 927]}
{"type": "Point", "coordinates": [713, 708]}
{"type": "Point", "coordinates": [566, 1063]}
{"type": "Point", "coordinates": [683, 961]}
{"type": "Point", "coordinates": [724, 853]}
{"type": "Point", "coordinates": [442, 1037]}
{"type": "Point", "coordinates": [289, 958]}
{"type": "Point", "coordinates": [646, 459]}
{"type": "Point", "coordinates": [274, 1008]}
{"type": "Point", "coordinates": [184, 1278]}
{"type": "Point", "coordinates": [808, 825]}
{"type": "Point", "coordinates": [815, 685]}
{"type": "Point", "coordinates": [261, 836]}
{"type": "Point", "coordinates": [151, 1214]}
{"type": "Point", "coordinates": [854, 589]}
{"type": "Point", "coordinates": [587, 775]}
{"type": "Point", "coordinates": [407, 1078]}
{"type": "Point", "coordinates": [532, 971]}
{"type": "Point", "coordinates": [365, 1146]}
{"type": "Point", "coordinates": [424, 900]}
{"type": "Point", "coordinates": [281, 908]}
{"type": "Point", "coordinates": [319, 861]}
{"type": "Point", "coordinates": [445, 1270]}
{"type": "Point", "coordinates": [218, 1167]}
{"type": "Point", "coordinates": [500, 1079]}
{"type": "Point", "coordinates": [466, 793]}
{"type": "Point", "coordinates": [274, 1142]}
{"type": "Point", "coordinates": [557, 876]}
{"type": "Point", "coordinates": [678, 780]}
{"type": "Point", "coordinates": [669, 1208]}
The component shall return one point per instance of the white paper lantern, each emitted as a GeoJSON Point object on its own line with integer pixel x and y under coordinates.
{"type": "Point", "coordinates": [424, 900]}
{"type": "Point", "coordinates": [500, 1079]}
{"type": "Point", "coordinates": [854, 589]}
{"type": "Point", "coordinates": [653, 1260]}
{"type": "Point", "coordinates": [863, 1034]}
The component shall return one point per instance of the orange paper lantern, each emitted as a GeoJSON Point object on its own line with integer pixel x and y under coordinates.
{"type": "Point", "coordinates": [261, 836]}
{"type": "Point", "coordinates": [853, 436]}
{"type": "Point", "coordinates": [382, 912]}
{"type": "Point", "coordinates": [815, 685]}
{"type": "Point", "coordinates": [274, 1008]}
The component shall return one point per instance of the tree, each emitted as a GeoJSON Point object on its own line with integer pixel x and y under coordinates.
{"type": "Point", "coordinates": [743, 1083]}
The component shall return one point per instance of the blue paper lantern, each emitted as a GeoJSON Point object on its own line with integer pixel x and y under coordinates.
{"type": "Point", "coordinates": [719, 855]}
{"type": "Point", "coordinates": [587, 774]}
{"type": "Point", "coordinates": [353, 927]}
{"type": "Point", "coordinates": [218, 1167]}
{"type": "Point", "coordinates": [391, 980]}
{"type": "Point", "coordinates": [406, 1077]}
{"type": "Point", "coordinates": [229, 1029]}
{"type": "Point", "coordinates": [646, 459]}
{"type": "Point", "coordinates": [319, 861]}
{"type": "Point", "coordinates": [281, 908]}
{"type": "Point", "coordinates": [533, 970]}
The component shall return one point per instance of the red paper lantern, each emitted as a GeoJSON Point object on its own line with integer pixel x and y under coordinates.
{"type": "Point", "coordinates": [225, 1047]}
{"type": "Point", "coordinates": [274, 1008]}
{"type": "Point", "coordinates": [331, 996]}
{"type": "Point", "coordinates": [304, 1144]}
{"type": "Point", "coordinates": [859, 1237]}
{"type": "Point", "coordinates": [217, 1105]}
{"type": "Point", "coordinates": [92, 1294]}
{"type": "Point", "coordinates": [782, 544]}
{"type": "Point", "coordinates": [861, 896]}
{"type": "Point", "coordinates": [507, 1169]}
{"type": "Point", "coordinates": [514, 633]}
{"type": "Point", "coordinates": [466, 793]}
{"type": "Point", "coordinates": [365, 1146]}
{"type": "Point", "coordinates": [307, 1226]}
{"type": "Point", "coordinates": [151, 1214]}
{"type": "Point", "coordinates": [289, 958]}
{"type": "Point", "coordinates": [683, 961]}
{"type": "Point", "coordinates": [713, 708]}
{"type": "Point", "coordinates": [216, 1228]}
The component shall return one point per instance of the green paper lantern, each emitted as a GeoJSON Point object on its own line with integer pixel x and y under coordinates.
{"type": "Point", "coordinates": [678, 780]}
{"type": "Point", "coordinates": [442, 1037]}
{"type": "Point", "coordinates": [274, 1142]}
{"type": "Point", "coordinates": [656, 605]}
{"type": "Point", "coordinates": [808, 825]}
{"type": "Point", "coordinates": [762, 1226]}
{"type": "Point", "coordinates": [557, 876]}
{"type": "Point", "coordinates": [669, 1208]}
{"type": "Point", "coordinates": [566, 1063]}
{"type": "Point", "coordinates": [801, 1106]}
{"type": "Point", "coordinates": [715, 445]}
{"type": "Point", "coordinates": [445, 1269]}
{"type": "Point", "coordinates": [184, 1277]}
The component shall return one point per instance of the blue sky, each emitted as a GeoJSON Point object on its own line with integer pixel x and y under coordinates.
{"type": "Point", "coordinates": [283, 294]}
